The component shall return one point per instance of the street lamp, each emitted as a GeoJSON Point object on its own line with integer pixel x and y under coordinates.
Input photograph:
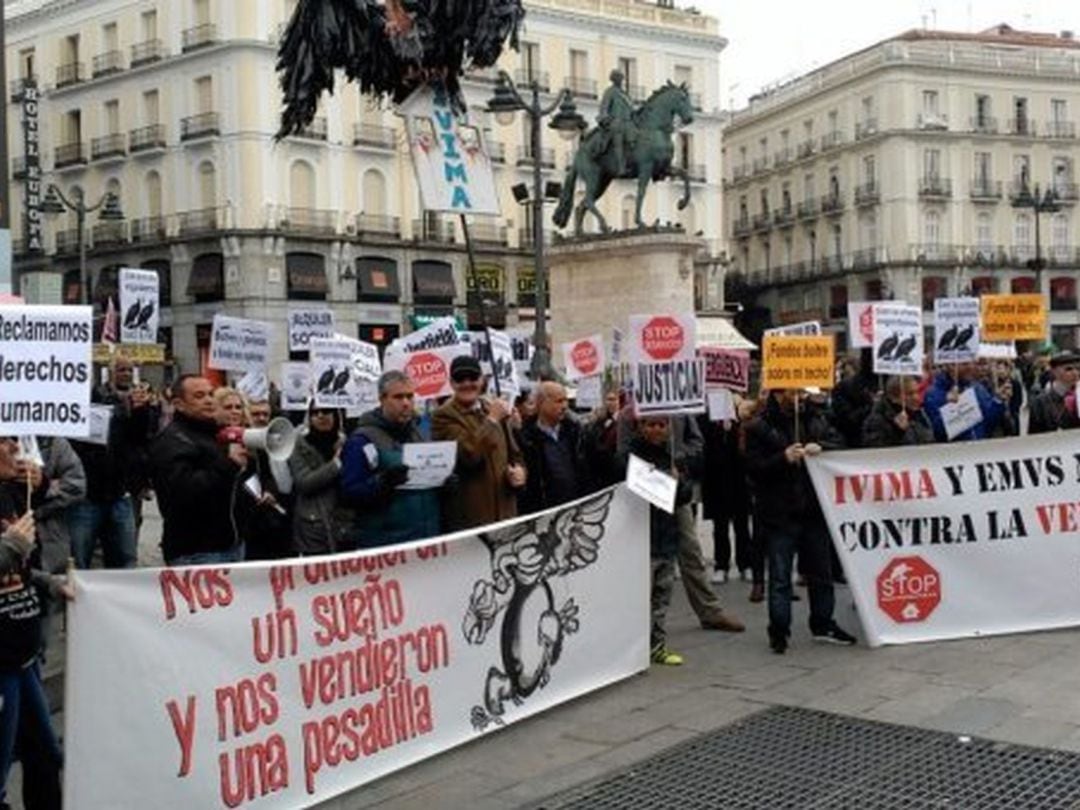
{"type": "Point", "coordinates": [56, 203]}
{"type": "Point", "coordinates": [1047, 204]}
{"type": "Point", "coordinates": [568, 123]}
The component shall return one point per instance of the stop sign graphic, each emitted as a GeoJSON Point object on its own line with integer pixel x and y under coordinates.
{"type": "Point", "coordinates": [908, 589]}
{"type": "Point", "coordinates": [428, 373]}
{"type": "Point", "coordinates": [662, 338]}
{"type": "Point", "coordinates": [586, 358]}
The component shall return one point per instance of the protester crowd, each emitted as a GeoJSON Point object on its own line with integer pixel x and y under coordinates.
{"type": "Point", "coordinates": [345, 487]}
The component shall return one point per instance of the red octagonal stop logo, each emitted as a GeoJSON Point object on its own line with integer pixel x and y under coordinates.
{"type": "Point", "coordinates": [585, 357]}
{"type": "Point", "coordinates": [662, 338]}
{"type": "Point", "coordinates": [428, 374]}
{"type": "Point", "coordinates": [908, 589]}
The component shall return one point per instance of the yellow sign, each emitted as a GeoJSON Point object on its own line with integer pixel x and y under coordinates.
{"type": "Point", "coordinates": [798, 361]}
{"type": "Point", "coordinates": [1013, 317]}
{"type": "Point", "coordinates": [142, 354]}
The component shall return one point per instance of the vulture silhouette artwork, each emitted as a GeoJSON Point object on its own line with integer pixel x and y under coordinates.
{"type": "Point", "coordinates": [131, 317]}
{"type": "Point", "coordinates": [965, 336]}
{"type": "Point", "coordinates": [145, 314]}
{"type": "Point", "coordinates": [326, 380]}
{"type": "Point", "coordinates": [888, 346]}
{"type": "Point", "coordinates": [948, 337]}
{"type": "Point", "coordinates": [388, 47]}
{"type": "Point", "coordinates": [341, 380]}
{"type": "Point", "coordinates": [906, 347]}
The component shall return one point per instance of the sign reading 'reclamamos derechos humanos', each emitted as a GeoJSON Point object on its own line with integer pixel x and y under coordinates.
{"type": "Point", "coordinates": [45, 371]}
{"type": "Point", "coordinates": [283, 685]}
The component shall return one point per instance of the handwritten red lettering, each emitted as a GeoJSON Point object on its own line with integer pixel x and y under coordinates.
{"type": "Point", "coordinates": [362, 611]}
{"type": "Point", "coordinates": [275, 636]}
{"type": "Point", "coordinates": [281, 580]}
{"type": "Point", "coordinates": [250, 703]}
{"type": "Point", "coordinates": [199, 588]}
{"type": "Point", "coordinates": [184, 729]}
{"type": "Point", "coordinates": [254, 771]}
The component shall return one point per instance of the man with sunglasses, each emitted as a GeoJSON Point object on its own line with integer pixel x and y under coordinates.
{"type": "Point", "coordinates": [489, 466]}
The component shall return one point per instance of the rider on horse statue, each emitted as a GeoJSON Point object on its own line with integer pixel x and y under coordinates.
{"type": "Point", "coordinates": [616, 119]}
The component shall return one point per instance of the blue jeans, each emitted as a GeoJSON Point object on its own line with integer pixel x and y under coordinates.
{"type": "Point", "coordinates": [115, 524]}
{"type": "Point", "coordinates": [812, 543]}
{"type": "Point", "coordinates": [233, 555]}
{"type": "Point", "coordinates": [26, 730]}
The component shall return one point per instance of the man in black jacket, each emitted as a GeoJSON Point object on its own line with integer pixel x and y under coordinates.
{"type": "Point", "coordinates": [1048, 409]}
{"type": "Point", "coordinates": [787, 511]}
{"type": "Point", "coordinates": [551, 443]}
{"type": "Point", "coordinates": [897, 419]}
{"type": "Point", "coordinates": [197, 481]}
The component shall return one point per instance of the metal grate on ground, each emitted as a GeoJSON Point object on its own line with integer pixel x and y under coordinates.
{"type": "Point", "coordinates": [787, 757]}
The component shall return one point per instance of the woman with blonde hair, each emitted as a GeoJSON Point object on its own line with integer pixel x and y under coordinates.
{"type": "Point", "coordinates": [230, 408]}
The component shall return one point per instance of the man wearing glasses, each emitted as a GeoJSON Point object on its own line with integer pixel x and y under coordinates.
{"type": "Point", "coordinates": [489, 467]}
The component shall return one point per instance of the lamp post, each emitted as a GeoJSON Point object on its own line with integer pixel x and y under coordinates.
{"type": "Point", "coordinates": [568, 123]}
{"type": "Point", "coordinates": [56, 203]}
{"type": "Point", "coordinates": [1047, 204]}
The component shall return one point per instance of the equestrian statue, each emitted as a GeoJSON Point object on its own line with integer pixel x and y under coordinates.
{"type": "Point", "coordinates": [627, 143]}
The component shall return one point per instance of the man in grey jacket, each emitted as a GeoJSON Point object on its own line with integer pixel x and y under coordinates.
{"type": "Point", "coordinates": [67, 485]}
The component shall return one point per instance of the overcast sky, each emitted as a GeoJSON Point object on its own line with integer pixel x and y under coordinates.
{"type": "Point", "coordinates": [771, 40]}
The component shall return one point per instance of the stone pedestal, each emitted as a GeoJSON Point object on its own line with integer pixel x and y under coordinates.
{"type": "Point", "coordinates": [598, 283]}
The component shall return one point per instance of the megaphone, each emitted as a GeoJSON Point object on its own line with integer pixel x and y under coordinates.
{"type": "Point", "coordinates": [278, 438]}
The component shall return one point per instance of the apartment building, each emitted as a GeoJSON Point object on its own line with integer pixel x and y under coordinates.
{"type": "Point", "coordinates": [171, 105]}
{"type": "Point", "coordinates": [900, 172]}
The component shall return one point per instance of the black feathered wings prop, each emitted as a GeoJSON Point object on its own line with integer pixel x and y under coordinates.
{"type": "Point", "coordinates": [388, 47]}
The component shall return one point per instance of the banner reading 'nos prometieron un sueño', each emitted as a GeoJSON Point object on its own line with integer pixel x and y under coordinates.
{"type": "Point", "coordinates": [980, 540]}
{"type": "Point", "coordinates": [283, 685]}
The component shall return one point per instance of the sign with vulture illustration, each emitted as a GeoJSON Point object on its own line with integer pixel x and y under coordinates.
{"type": "Point", "coordinates": [898, 339]}
{"type": "Point", "coordinates": [956, 330]}
{"type": "Point", "coordinates": [138, 305]}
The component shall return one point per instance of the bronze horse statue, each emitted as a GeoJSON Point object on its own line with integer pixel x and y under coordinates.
{"type": "Point", "coordinates": [648, 158]}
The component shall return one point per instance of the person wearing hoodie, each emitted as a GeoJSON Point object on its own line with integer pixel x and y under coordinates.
{"type": "Point", "coordinates": [373, 469]}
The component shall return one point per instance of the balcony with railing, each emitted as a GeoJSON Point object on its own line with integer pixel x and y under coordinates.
{"type": "Point", "coordinates": [1065, 192]}
{"type": "Point", "coordinates": [1020, 255]}
{"type": "Point", "coordinates": [1062, 256]}
{"type": "Point", "coordinates": [1018, 189]}
{"type": "Point", "coordinates": [784, 217]}
{"type": "Point", "coordinates": [805, 149]}
{"type": "Point", "coordinates": [18, 87]}
{"type": "Point", "coordinates": [935, 253]}
{"type": "Point", "coordinates": [373, 136]}
{"type": "Point", "coordinates": [868, 193]}
{"type": "Point", "coordinates": [203, 125]}
{"type": "Point", "coordinates": [1060, 129]}
{"type": "Point", "coordinates": [739, 173]}
{"type": "Point", "coordinates": [935, 187]}
{"type": "Point", "coordinates": [525, 156]}
{"type": "Point", "coordinates": [867, 259]}
{"type": "Point", "coordinates": [1022, 127]}
{"type": "Point", "coordinates": [525, 78]}
{"type": "Point", "coordinates": [107, 63]}
{"type": "Point", "coordinates": [113, 146]}
{"type": "Point", "coordinates": [440, 231]}
{"type": "Point", "coordinates": [18, 168]}
{"type": "Point", "coordinates": [378, 225]}
{"type": "Point", "coordinates": [71, 73]}
{"type": "Point", "coordinates": [145, 53]}
{"type": "Point", "coordinates": [832, 204]}
{"type": "Point", "coordinates": [489, 234]}
{"type": "Point", "coordinates": [984, 125]}
{"type": "Point", "coordinates": [761, 165]}
{"type": "Point", "coordinates": [149, 230]}
{"type": "Point", "coordinates": [70, 154]}
{"type": "Point", "coordinates": [67, 241]}
{"type": "Point", "coordinates": [109, 234]}
{"type": "Point", "coordinates": [308, 222]}
{"type": "Point", "coordinates": [865, 128]}
{"type": "Point", "coordinates": [314, 131]}
{"type": "Point", "coordinates": [741, 227]}
{"type": "Point", "coordinates": [762, 222]}
{"type": "Point", "coordinates": [782, 157]}
{"type": "Point", "coordinates": [807, 210]}
{"type": "Point", "coordinates": [147, 139]}
{"type": "Point", "coordinates": [200, 36]}
{"type": "Point", "coordinates": [832, 140]}
{"type": "Point", "coordinates": [932, 121]}
{"type": "Point", "coordinates": [983, 189]}
{"type": "Point", "coordinates": [200, 222]}
{"type": "Point", "coordinates": [582, 87]}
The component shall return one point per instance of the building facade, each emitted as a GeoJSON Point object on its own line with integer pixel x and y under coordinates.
{"type": "Point", "coordinates": [900, 172]}
{"type": "Point", "coordinates": [171, 105]}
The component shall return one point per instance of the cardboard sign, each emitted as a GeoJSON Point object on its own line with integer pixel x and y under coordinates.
{"type": "Point", "coordinates": [139, 306]}
{"type": "Point", "coordinates": [798, 361]}
{"type": "Point", "coordinates": [100, 422]}
{"type": "Point", "coordinates": [728, 368]}
{"type": "Point", "coordinates": [429, 463]}
{"type": "Point", "coordinates": [961, 416]}
{"type": "Point", "coordinates": [1014, 317]}
{"type": "Point", "coordinates": [662, 338]}
{"type": "Point", "coordinates": [584, 358]}
{"type": "Point", "coordinates": [589, 393]}
{"type": "Point", "coordinates": [669, 389]}
{"type": "Point", "coordinates": [860, 324]}
{"type": "Point", "coordinates": [46, 371]}
{"type": "Point", "coordinates": [366, 364]}
{"type": "Point", "coordinates": [898, 339]}
{"type": "Point", "coordinates": [658, 487]}
{"type": "Point", "coordinates": [721, 405]}
{"type": "Point", "coordinates": [295, 386]}
{"type": "Point", "coordinates": [239, 344]}
{"type": "Point", "coordinates": [956, 330]}
{"type": "Point", "coordinates": [308, 323]}
{"type": "Point", "coordinates": [331, 373]}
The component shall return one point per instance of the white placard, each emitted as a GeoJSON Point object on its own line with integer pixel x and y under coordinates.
{"type": "Point", "coordinates": [948, 543]}
{"type": "Point", "coordinates": [860, 324]}
{"type": "Point", "coordinates": [617, 339]}
{"type": "Point", "coordinates": [295, 386]}
{"type": "Point", "coordinates": [239, 344]}
{"type": "Point", "coordinates": [962, 415]}
{"type": "Point", "coordinates": [898, 339]}
{"type": "Point", "coordinates": [584, 358]}
{"type": "Point", "coordinates": [366, 365]}
{"type": "Point", "coordinates": [331, 373]}
{"type": "Point", "coordinates": [171, 655]}
{"type": "Point", "coordinates": [663, 338]}
{"type": "Point", "coordinates": [438, 333]}
{"type": "Point", "coordinates": [139, 305]}
{"type": "Point", "coordinates": [956, 330]}
{"type": "Point", "coordinates": [100, 422]}
{"type": "Point", "coordinates": [806, 328]}
{"type": "Point", "coordinates": [656, 486]}
{"type": "Point", "coordinates": [590, 392]}
{"type": "Point", "coordinates": [307, 323]}
{"type": "Point", "coordinates": [46, 371]}
{"type": "Point", "coordinates": [429, 370]}
{"type": "Point", "coordinates": [997, 351]}
{"type": "Point", "coordinates": [429, 463]}
{"type": "Point", "coordinates": [721, 405]}
{"type": "Point", "coordinates": [255, 386]}
{"type": "Point", "coordinates": [502, 362]}
{"type": "Point", "coordinates": [669, 388]}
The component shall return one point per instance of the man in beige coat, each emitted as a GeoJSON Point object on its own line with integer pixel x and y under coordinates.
{"type": "Point", "coordinates": [489, 468]}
